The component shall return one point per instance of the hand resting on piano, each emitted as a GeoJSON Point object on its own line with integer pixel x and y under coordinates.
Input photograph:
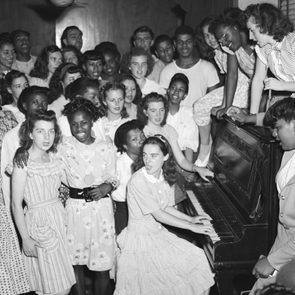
{"type": "Point", "coordinates": [204, 172]}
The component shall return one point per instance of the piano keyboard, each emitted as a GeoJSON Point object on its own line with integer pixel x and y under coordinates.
{"type": "Point", "coordinates": [200, 211]}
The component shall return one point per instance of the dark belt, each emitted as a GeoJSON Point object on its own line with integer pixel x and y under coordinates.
{"type": "Point", "coordinates": [83, 194]}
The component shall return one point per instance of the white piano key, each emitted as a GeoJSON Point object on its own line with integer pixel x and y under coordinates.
{"type": "Point", "coordinates": [200, 211]}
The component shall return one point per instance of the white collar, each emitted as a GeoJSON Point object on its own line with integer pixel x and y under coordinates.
{"type": "Point", "coordinates": [151, 178]}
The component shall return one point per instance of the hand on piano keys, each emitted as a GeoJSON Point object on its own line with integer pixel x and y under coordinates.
{"type": "Point", "coordinates": [204, 218]}
{"type": "Point", "coordinates": [200, 228]}
{"type": "Point", "coordinates": [200, 211]}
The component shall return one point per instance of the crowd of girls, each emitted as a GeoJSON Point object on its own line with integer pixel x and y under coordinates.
{"type": "Point", "coordinates": [117, 140]}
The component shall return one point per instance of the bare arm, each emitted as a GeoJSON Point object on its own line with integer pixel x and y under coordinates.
{"type": "Point", "coordinates": [230, 86]}
{"type": "Point", "coordinates": [257, 86]}
{"type": "Point", "coordinates": [195, 219]}
{"type": "Point", "coordinates": [231, 79]}
{"type": "Point", "coordinates": [19, 177]}
{"type": "Point", "coordinates": [169, 219]}
{"type": "Point", "coordinates": [189, 154]}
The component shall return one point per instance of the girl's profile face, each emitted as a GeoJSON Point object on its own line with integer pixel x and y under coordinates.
{"type": "Point", "coordinates": [285, 133]}
{"type": "Point", "coordinates": [155, 112]}
{"type": "Point", "coordinates": [17, 86]}
{"type": "Point", "coordinates": [153, 159]}
{"type": "Point", "coordinates": [92, 94]}
{"type": "Point", "coordinates": [81, 124]}
{"type": "Point", "coordinates": [70, 57]}
{"type": "Point", "coordinates": [130, 87]}
{"type": "Point", "coordinates": [176, 92]}
{"type": "Point", "coordinates": [229, 37]}
{"type": "Point", "coordinates": [7, 55]}
{"type": "Point", "coordinates": [209, 38]}
{"type": "Point", "coordinates": [139, 66]}
{"type": "Point", "coordinates": [70, 77]}
{"type": "Point", "coordinates": [134, 141]}
{"type": "Point", "coordinates": [54, 61]}
{"type": "Point", "coordinates": [115, 101]}
{"type": "Point", "coordinates": [43, 135]}
{"type": "Point", "coordinates": [262, 39]}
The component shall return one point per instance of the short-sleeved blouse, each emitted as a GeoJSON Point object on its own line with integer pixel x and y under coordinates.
{"type": "Point", "coordinates": [186, 128]}
{"type": "Point", "coordinates": [87, 165]}
{"type": "Point", "coordinates": [280, 58]}
{"type": "Point", "coordinates": [147, 194]}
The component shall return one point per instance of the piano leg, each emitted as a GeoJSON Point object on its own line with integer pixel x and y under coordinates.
{"type": "Point", "coordinates": [233, 282]}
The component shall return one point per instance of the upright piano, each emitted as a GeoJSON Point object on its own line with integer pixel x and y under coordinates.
{"type": "Point", "coordinates": [241, 200]}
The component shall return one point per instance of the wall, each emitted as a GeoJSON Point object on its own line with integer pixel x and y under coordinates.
{"type": "Point", "coordinates": [101, 20]}
{"type": "Point", "coordinates": [16, 14]}
{"type": "Point", "coordinates": [115, 20]}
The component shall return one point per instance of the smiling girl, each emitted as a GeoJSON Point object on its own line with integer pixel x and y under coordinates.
{"type": "Point", "coordinates": [114, 112]}
{"type": "Point", "coordinates": [275, 36]}
{"type": "Point", "coordinates": [90, 166]}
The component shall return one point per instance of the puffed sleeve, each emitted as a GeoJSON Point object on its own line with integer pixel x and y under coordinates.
{"type": "Point", "coordinates": [140, 191]}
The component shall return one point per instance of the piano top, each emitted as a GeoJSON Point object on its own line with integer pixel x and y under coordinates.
{"type": "Point", "coordinates": [240, 159]}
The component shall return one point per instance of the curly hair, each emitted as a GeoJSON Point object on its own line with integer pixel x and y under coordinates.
{"type": "Point", "coordinates": [206, 52]}
{"type": "Point", "coordinates": [139, 51]}
{"type": "Point", "coordinates": [144, 105]}
{"type": "Point", "coordinates": [55, 84]}
{"type": "Point", "coordinates": [121, 134]}
{"type": "Point", "coordinates": [108, 48]}
{"type": "Point", "coordinates": [8, 81]}
{"type": "Point", "coordinates": [28, 125]}
{"type": "Point", "coordinates": [283, 109]}
{"type": "Point", "coordinates": [169, 166]}
{"type": "Point", "coordinates": [104, 92]}
{"type": "Point", "coordinates": [270, 20]}
{"type": "Point", "coordinates": [40, 69]}
{"type": "Point", "coordinates": [231, 17]}
{"type": "Point", "coordinates": [28, 93]}
{"type": "Point", "coordinates": [181, 78]}
{"type": "Point", "coordinates": [124, 77]}
{"type": "Point", "coordinates": [83, 105]}
{"type": "Point", "coordinates": [79, 87]}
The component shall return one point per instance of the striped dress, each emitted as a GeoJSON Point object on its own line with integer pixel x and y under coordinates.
{"type": "Point", "coordinates": [52, 271]}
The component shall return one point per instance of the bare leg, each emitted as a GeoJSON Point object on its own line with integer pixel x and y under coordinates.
{"type": "Point", "coordinates": [205, 145]}
{"type": "Point", "coordinates": [79, 288]}
{"type": "Point", "coordinates": [101, 282]}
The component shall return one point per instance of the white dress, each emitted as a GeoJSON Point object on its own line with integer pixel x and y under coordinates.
{"type": "Point", "coordinates": [153, 261]}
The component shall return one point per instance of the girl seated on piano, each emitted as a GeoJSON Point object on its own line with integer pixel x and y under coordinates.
{"type": "Point", "coordinates": [281, 117]}
{"type": "Point", "coordinates": [152, 259]}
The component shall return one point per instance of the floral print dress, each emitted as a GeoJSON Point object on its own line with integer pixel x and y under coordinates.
{"type": "Point", "coordinates": [90, 225]}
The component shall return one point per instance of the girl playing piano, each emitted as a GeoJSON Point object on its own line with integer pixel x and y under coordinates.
{"type": "Point", "coordinates": [153, 260]}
